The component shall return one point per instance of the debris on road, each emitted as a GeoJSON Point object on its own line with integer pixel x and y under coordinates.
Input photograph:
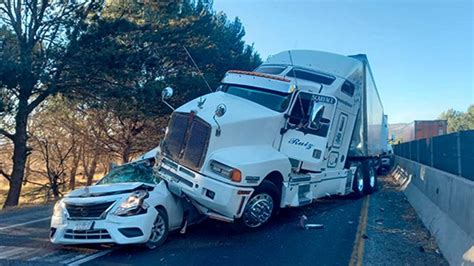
{"type": "Point", "coordinates": [304, 225]}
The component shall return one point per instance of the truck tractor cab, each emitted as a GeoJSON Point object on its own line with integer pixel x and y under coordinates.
{"type": "Point", "coordinates": [276, 137]}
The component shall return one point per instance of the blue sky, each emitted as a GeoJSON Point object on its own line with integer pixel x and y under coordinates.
{"type": "Point", "coordinates": [421, 52]}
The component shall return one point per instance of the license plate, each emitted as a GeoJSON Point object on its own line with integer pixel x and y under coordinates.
{"type": "Point", "coordinates": [83, 225]}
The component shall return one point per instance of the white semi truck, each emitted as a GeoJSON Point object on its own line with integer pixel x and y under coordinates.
{"type": "Point", "coordinates": [303, 125]}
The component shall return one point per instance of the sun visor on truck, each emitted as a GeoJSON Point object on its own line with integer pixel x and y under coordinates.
{"type": "Point", "coordinates": [254, 79]}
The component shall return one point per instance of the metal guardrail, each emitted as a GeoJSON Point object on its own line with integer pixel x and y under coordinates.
{"type": "Point", "coordinates": [453, 153]}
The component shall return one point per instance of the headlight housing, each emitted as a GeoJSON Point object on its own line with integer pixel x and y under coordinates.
{"type": "Point", "coordinates": [134, 204]}
{"type": "Point", "coordinates": [59, 208]}
{"type": "Point", "coordinates": [226, 171]}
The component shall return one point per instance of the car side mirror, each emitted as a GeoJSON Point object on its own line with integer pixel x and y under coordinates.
{"type": "Point", "coordinates": [316, 117]}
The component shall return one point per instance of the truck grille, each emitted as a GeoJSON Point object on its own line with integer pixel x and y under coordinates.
{"type": "Point", "coordinates": [187, 140]}
{"type": "Point", "coordinates": [87, 211]}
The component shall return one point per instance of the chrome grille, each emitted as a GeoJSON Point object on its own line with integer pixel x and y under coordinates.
{"type": "Point", "coordinates": [87, 211]}
{"type": "Point", "coordinates": [187, 140]}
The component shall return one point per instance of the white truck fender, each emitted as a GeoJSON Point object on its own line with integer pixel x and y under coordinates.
{"type": "Point", "coordinates": [255, 162]}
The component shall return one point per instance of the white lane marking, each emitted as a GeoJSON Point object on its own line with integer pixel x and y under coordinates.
{"type": "Point", "coordinates": [38, 255]}
{"type": "Point", "coordinates": [7, 252]}
{"type": "Point", "coordinates": [25, 223]}
{"type": "Point", "coordinates": [90, 257]}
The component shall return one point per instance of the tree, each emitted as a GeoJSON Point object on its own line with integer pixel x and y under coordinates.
{"type": "Point", "coordinates": [38, 36]}
{"type": "Point", "coordinates": [112, 66]}
{"type": "Point", "coordinates": [458, 120]}
{"type": "Point", "coordinates": [135, 49]}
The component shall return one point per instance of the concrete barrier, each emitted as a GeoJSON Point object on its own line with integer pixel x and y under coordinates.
{"type": "Point", "coordinates": [445, 204]}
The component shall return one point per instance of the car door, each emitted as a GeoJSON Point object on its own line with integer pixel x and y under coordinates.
{"type": "Point", "coordinates": [304, 141]}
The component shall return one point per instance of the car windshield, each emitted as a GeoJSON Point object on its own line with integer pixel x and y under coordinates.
{"type": "Point", "coordinates": [277, 101]}
{"type": "Point", "coordinates": [130, 173]}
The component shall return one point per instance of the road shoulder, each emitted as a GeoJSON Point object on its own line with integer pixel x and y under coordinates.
{"type": "Point", "coordinates": [395, 235]}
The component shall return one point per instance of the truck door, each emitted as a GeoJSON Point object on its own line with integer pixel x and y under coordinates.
{"type": "Point", "coordinates": [306, 132]}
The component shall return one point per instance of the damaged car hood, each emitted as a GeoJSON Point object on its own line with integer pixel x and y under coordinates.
{"type": "Point", "coordinates": [108, 189]}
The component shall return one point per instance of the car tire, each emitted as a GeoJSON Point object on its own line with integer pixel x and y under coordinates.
{"type": "Point", "coordinates": [358, 183]}
{"type": "Point", "coordinates": [260, 208]}
{"type": "Point", "coordinates": [370, 176]}
{"type": "Point", "coordinates": [159, 231]}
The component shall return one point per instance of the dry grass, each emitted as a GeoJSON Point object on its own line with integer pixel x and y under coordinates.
{"type": "Point", "coordinates": [30, 194]}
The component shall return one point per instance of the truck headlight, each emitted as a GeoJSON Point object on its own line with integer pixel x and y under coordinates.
{"type": "Point", "coordinates": [134, 204]}
{"type": "Point", "coordinates": [226, 171]}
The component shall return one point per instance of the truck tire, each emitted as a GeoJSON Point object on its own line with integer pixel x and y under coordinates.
{"type": "Point", "coordinates": [159, 231]}
{"type": "Point", "coordinates": [261, 206]}
{"type": "Point", "coordinates": [358, 183]}
{"type": "Point", "coordinates": [370, 176]}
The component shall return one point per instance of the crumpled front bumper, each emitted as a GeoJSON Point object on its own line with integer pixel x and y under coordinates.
{"type": "Point", "coordinates": [113, 229]}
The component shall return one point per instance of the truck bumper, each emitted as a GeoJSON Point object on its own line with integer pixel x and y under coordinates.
{"type": "Point", "coordinates": [212, 194]}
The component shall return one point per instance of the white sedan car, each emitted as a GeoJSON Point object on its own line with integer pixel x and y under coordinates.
{"type": "Point", "coordinates": [127, 206]}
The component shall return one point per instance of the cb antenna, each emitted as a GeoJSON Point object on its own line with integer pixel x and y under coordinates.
{"type": "Point", "coordinates": [296, 79]}
{"type": "Point", "coordinates": [199, 71]}
{"type": "Point", "coordinates": [293, 68]}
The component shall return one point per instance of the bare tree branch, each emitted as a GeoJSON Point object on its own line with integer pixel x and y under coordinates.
{"type": "Point", "coordinates": [7, 134]}
{"type": "Point", "coordinates": [4, 174]}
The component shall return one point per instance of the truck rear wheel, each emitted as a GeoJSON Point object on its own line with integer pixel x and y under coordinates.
{"type": "Point", "coordinates": [370, 176]}
{"type": "Point", "coordinates": [358, 184]}
{"type": "Point", "coordinates": [261, 206]}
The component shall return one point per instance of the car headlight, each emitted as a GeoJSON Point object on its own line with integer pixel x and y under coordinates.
{"type": "Point", "coordinates": [59, 208]}
{"type": "Point", "coordinates": [226, 171]}
{"type": "Point", "coordinates": [134, 204]}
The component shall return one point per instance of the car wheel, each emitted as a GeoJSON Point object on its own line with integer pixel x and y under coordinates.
{"type": "Point", "coordinates": [160, 229]}
{"type": "Point", "coordinates": [358, 184]}
{"type": "Point", "coordinates": [261, 206]}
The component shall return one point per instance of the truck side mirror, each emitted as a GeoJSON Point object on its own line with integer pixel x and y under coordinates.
{"type": "Point", "coordinates": [167, 93]}
{"type": "Point", "coordinates": [316, 116]}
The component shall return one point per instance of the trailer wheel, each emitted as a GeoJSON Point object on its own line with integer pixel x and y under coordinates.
{"type": "Point", "coordinates": [159, 231]}
{"type": "Point", "coordinates": [370, 176]}
{"type": "Point", "coordinates": [261, 206]}
{"type": "Point", "coordinates": [358, 184]}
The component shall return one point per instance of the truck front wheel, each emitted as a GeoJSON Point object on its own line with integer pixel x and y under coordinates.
{"type": "Point", "coordinates": [261, 206]}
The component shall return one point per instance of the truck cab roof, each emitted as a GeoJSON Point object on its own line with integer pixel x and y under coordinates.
{"type": "Point", "coordinates": [322, 62]}
{"type": "Point", "coordinates": [313, 69]}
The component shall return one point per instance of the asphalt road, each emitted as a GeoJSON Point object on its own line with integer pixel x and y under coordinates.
{"type": "Point", "coordinates": [24, 240]}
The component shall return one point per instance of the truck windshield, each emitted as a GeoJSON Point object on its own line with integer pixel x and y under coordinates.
{"type": "Point", "coordinates": [130, 173]}
{"type": "Point", "coordinates": [277, 101]}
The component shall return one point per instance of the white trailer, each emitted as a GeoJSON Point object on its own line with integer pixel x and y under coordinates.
{"type": "Point", "coordinates": [303, 125]}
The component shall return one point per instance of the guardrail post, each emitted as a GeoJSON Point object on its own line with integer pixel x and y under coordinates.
{"type": "Point", "coordinates": [418, 150]}
{"type": "Point", "coordinates": [409, 150]}
{"type": "Point", "coordinates": [431, 152]}
{"type": "Point", "coordinates": [458, 151]}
